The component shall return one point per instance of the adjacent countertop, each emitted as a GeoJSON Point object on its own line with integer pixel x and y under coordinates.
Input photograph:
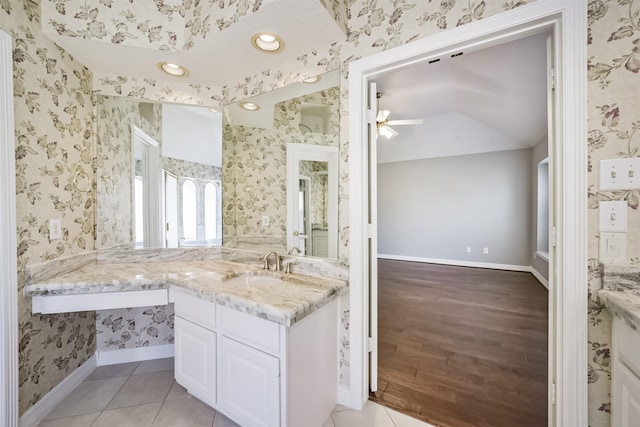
{"type": "Point", "coordinates": [285, 303]}
{"type": "Point", "coordinates": [620, 292]}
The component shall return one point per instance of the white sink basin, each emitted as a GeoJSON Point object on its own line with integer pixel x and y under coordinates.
{"type": "Point", "coordinates": [253, 281]}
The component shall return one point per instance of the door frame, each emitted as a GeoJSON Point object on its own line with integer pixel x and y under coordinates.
{"type": "Point", "coordinates": [568, 298]}
{"type": "Point", "coordinates": [8, 253]}
{"type": "Point", "coordinates": [153, 232]}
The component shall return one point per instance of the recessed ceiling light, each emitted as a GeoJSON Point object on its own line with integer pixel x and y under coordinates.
{"type": "Point", "coordinates": [173, 69]}
{"type": "Point", "coordinates": [311, 79]}
{"type": "Point", "coordinates": [250, 106]}
{"type": "Point", "coordinates": [267, 42]}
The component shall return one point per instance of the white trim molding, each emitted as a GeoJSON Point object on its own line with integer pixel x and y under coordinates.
{"type": "Point", "coordinates": [126, 355]}
{"type": "Point", "coordinates": [568, 260]}
{"type": "Point", "coordinates": [457, 263]}
{"type": "Point", "coordinates": [540, 278]}
{"type": "Point", "coordinates": [41, 409]}
{"type": "Point", "coordinates": [8, 242]}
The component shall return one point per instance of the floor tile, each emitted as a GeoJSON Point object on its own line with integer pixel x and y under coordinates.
{"type": "Point", "coordinates": [143, 388]}
{"type": "Point", "coordinates": [402, 420]}
{"type": "Point", "coordinates": [339, 408]}
{"type": "Point", "coordinates": [132, 416]}
{"type": "Point", "coordinates": [372, 415]}
{"type": "Point", "coordinates": [328, 422]}
{"type": "Point", "coordinates": [223, 421]}
{"type": "Point", "coordinates": [156, 365]}
{"type": "Point", "coordinates": [185, 412]}
{"type": "Point", "coordinates": [88, 397]}
{"type": "Point", "coordinates": [177, 392]}
{"type": "Point", "coordinates": [77, 421]}
{"type": "Point", "coordinates": [113, 371]}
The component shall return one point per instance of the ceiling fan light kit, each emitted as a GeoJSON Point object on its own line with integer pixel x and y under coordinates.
{"type": "Point", "coordinates": [383, 122]}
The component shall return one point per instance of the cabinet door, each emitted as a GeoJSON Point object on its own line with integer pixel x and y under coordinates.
{"type": "Point", "coordinates": [195, 360]}
{"type": "Point", "coordinates": [249, 385]}
{"type": "Point", "coordinates": [626, 397]}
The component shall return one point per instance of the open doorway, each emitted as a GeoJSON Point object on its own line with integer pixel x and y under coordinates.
{"type": "Point", "coordinates": [462, 327]}
{"type": "Point", "coordinates": [567, 263]}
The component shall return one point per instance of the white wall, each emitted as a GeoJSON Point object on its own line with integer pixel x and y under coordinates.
{"type": "Point", "coordinates": [192, 135]}
{"type": "Point", "coordinates": [435, 208]}
{"type": "Point", "coordinates": [538, 153]}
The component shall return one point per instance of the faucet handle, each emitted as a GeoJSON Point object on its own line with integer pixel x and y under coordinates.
{"type": "Point", "coordinates": [287, 266]}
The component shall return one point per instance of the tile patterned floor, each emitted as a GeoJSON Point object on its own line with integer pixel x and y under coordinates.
{"type": "Point", "coordinates": [144, 394]}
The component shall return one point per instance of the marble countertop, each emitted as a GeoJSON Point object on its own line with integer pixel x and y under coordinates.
{"type": "Point", "coordinates": [623, 304]}
{"type": "Point", "coordinates": [620, 292]}
{"type": "Point", "coordinates": [285, 303]}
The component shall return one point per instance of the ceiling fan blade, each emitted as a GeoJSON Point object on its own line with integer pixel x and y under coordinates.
{"type": "Point", "coordinates": [387, 132]}
{"type": "Point", "coordinates": [382, 115]}
{"type": "Point", "coordinates": [406, 122]}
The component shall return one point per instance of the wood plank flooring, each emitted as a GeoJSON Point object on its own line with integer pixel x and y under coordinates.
{"type": "Point", "coordinates": [462, 347]}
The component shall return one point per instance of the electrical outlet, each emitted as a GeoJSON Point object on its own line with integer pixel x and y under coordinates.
{"type": "Point", "coordinates": [468, 249]}
{"type": "Point", "coordinates": [620, 174]}
{"type": "Point", "coordinates": [55, 229]}
{"type": "Point", "coordinates": [613, 216]}
{"type": "Point", "coordinates": [485, 251]}
{"type": "Point", "coordinates": [265, 220]}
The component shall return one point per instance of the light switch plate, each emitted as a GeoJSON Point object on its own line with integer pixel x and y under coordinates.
{"type": "Point", "coordinates": [613, 248]}
{"type": "Point", "coordinates": [55, 229]}
{"type": "Point", "coordinates": [620, 174]}
{"type": "Point", "coordinates": [613, 216]}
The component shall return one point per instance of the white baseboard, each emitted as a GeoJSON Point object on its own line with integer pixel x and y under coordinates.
{"type": "Point", "coordinates": [458, 263]}
{"type": "Point", "coordinates": [41, 409]}
{"type": "Point", "coordinates": [344, 396]}
{"type": "Point", "coordinates": [138, 354]}
{"type": "Point", "coordinates": [541, 279]}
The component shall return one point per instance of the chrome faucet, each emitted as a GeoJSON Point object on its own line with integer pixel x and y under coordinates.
{"type": "Point", "coordinates": [277, 263]}
{"type": "Point", "coordinates": [295, 248]}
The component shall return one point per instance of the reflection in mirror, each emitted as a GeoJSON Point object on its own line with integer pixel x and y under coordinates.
{"type": "Point", "coordinates": [312, 188]}
{"type": "Point", "coordinates": [255, 160]}
{"type": "Point", "coordinates": [147, 154]}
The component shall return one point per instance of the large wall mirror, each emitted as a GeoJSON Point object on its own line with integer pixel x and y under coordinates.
{"type": "Point", "coordinates": [174, 175]}
{"type": "Point", "coordinates": [258, 137]}
{"type": "Point", "coordinates": [159, 174]}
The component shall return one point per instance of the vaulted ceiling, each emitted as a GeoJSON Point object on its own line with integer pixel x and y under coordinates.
{"type": "Point", "coordinates": [500, 92]}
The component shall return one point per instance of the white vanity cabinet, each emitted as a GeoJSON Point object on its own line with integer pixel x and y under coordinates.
{"type": "Point", "coordinates": [255, 371]}
{"type": "Point", "coordinates": [625, 387]}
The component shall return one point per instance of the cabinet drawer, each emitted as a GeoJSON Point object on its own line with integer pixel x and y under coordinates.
{"type": "Point", "coordinates": [628, 344]}
{"type": "Point", "coordinates": [259, 333]}
{"type": "Point", "coordinates": [192, 308]}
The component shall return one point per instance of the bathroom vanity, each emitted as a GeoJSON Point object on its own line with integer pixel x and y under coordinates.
{"type": "Point", "coordinates": [621, 296]}
{"type": "Point", "coordinates": [257, 345]}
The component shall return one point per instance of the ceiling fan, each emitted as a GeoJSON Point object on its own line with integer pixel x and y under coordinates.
{"type": "Point", "coordinates": [384, 124]}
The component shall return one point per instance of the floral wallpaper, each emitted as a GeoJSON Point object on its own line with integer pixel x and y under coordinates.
{"type": "Point", "coordinates": [318, 193]}
{"type": "Point", "coordinates": [255, 167]}
{"type": "Point", "coordinates": [614, 113]}
{"type": "Point", "coordinates": [114, 117]}
{"type": "Point", "coordinates": [168, 25]}
{"type": "Point", "coordinates": [54, 144]}
{"type": "Point", "coordinates": [184, 168]}
{"type": "Point", "coordinates": [134, 327]}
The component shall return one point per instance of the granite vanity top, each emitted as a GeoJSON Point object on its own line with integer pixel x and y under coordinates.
{"type": "Point", "coordinates": [285, 303]}
{"type": "Point", "coordinates": [620, 292]}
